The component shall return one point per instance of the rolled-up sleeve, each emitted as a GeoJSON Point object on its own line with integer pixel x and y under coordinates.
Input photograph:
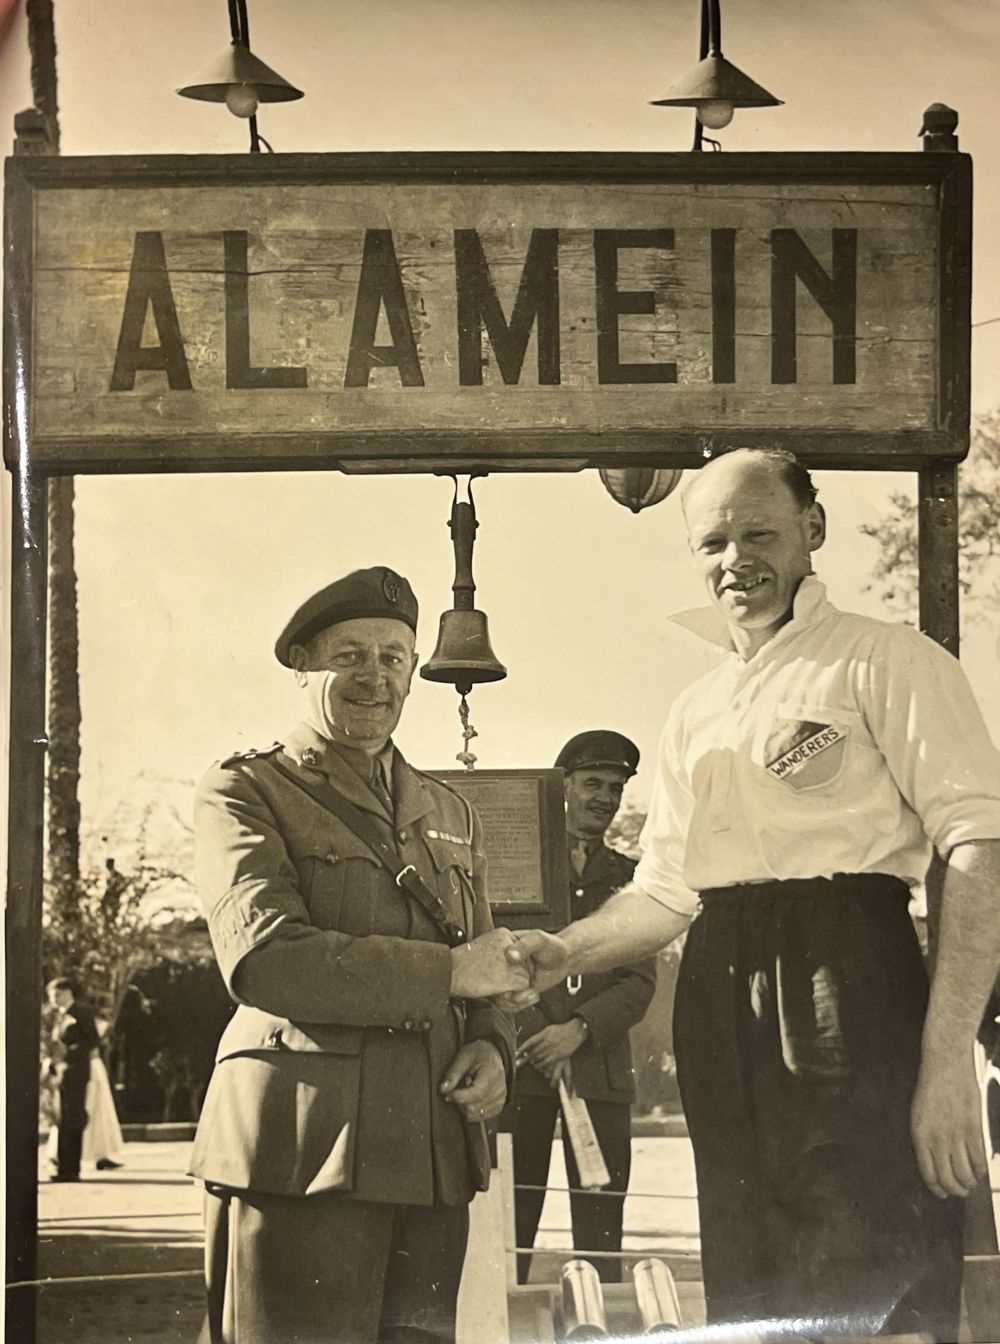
{"type": "Point", "coordinates": [660, 872]}
{"type": "Point", "coordinates": [930, 730]}
{"type": "Point", "coordinates": [271, 956]}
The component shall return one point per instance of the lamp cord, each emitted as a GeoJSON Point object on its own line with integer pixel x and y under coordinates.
{"type": "Point", "coordinates": [239, 29]}
{"type": "Point", "coordinates": [702, 53]}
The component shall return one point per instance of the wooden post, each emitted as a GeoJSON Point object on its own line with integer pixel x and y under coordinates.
{"type": "Point", "coordinates": [937, 563]}
{"type": "Point", "coordinates": [937, 552]}
{"type": "Point", "coordinates": [24, 892]}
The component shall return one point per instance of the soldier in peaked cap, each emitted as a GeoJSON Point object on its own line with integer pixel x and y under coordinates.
{"type": "Point", "coordinates": [342, 1134]}
{"type": "Point", "coordinates": [579, 1029]}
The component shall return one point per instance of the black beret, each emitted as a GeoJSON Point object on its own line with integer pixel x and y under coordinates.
{"type": "Point", "coordinates": [378, 591]}
{"type": "Point", "coordinates": [599, 748]}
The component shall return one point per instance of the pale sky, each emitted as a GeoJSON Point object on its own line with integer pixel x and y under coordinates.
{"type": "Point", "coordinates": [184, 581]}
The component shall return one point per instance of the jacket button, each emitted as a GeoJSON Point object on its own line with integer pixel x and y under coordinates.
{"type": "Point", "coordinates": [403, 836]}
{"type": "Point", "coordinates": [578, 892]}
{"type": "Point", "coordinates": [425, 1025]}
{"type": "Point", "coordinates": [408, 1025]}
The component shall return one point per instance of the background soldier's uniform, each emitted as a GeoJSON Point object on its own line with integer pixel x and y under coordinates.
{"type": "Point", "coordinates": [334, 1170]}
{"type": "Point", "coordinates": [609, 1003]}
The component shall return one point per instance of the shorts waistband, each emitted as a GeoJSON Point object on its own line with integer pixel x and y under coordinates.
{"type": "Point", "coordinates": [839, 885]}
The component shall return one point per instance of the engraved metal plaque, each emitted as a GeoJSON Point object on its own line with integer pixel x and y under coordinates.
{"type": "Point", "coordinates": [524, 833]}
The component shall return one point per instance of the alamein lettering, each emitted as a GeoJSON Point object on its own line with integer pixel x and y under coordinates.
{"type": "Point", "coordinates": [388, 302]}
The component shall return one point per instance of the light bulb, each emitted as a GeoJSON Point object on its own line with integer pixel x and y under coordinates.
{"type": "Point", "coordinates": [241, 99]}
{"type": "Point", "coordinates": [715, 114]}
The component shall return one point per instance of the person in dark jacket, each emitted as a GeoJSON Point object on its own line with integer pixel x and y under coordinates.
{"type": "Point", "coordinates": [579, 1029]}
{"type": "Point", "coordinates": [341, 1138]}
{"type": "Point", "coordinates": [74, 1036]}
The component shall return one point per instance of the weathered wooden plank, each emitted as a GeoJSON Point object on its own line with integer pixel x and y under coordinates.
{"type": "Point", "coordinates": [312, 310]}
{"type": "Point", "coordinates": [485, 451]}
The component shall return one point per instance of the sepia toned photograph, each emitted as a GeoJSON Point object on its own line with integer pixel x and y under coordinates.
{"type": "Point", "coordinates": [501, 638]}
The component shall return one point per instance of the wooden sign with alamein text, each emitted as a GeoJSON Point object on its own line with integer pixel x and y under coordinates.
{"type": "Point", "coordinates": [411, 312]}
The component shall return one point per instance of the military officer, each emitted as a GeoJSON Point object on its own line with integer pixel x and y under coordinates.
{"type": "Point", "coordinates": [342, 1136]}
{"type": "Point", "coordinates": [579, 1029]}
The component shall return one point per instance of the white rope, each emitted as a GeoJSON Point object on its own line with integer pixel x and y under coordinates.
{"type": "Point", "coordinates": [107, 1278]}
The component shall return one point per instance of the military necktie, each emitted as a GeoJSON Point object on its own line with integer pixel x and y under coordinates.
{"type": "Point", "coordinates": [380, 789]}
{"type": "Point", "coordinates": [578, 855]}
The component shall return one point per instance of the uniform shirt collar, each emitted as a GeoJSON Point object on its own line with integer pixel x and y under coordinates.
{"type": "Point", "coordinates": [809, 606]}
{"type": "Point", "coordinates": [312, 749]}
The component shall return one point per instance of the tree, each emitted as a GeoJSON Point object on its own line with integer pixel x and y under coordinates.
{"type": "Point", "coordinates": [895, 575]}
{"type": "Point", "coordinates": [624, 831]}
{"type": "Point", "coordinates": [96, 927]}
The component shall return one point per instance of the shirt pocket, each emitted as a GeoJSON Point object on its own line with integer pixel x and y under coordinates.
{"type": "Point", "coordinates": [336, 875]}
{"type": "Point", "coordinates": [452, 860]}
{"type": "Point", "coordinates": [805, 748]}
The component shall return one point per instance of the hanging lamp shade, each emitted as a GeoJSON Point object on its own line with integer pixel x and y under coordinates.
{"type": "Point", "coordinates": [716, 80]}
{"type": "Point", "coordinates": [639, 487]}
{"type": "Point", "coordinates": [236, 68]}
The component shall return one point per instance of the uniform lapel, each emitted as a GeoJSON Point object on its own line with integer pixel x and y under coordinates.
{"type": "Point", "coordinates": [413, 798]}
{"type": "Point", "coordinates": [323, 765]}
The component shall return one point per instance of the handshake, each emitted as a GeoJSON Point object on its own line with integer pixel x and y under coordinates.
{"type": "Point", "coordinates": [513, 968]}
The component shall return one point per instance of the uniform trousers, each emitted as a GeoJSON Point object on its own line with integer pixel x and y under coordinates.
{"type": "Point", "coordinates": [597, 1218]}
{"type": "Point", "coordinates": [322, 1269]}
{"type": "Point", "coordinates": [798, 1021]}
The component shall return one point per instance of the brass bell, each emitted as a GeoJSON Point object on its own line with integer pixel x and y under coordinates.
{"type": "Point", "coordinates": [463, 656]}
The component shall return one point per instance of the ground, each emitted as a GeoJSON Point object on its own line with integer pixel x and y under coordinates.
{"type": "Point", "coordinates": [147, 1217]}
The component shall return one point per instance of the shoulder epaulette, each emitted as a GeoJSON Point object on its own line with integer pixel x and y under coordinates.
{"type": "Point", "coordinates": [251, 754]}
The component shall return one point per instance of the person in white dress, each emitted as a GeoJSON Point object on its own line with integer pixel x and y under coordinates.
{"type": "Point", "coordinates": [102, 1137]}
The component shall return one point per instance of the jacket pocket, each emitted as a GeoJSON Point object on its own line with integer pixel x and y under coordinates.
{"type": "Point", "coordinates": [252, 1030]}
{"type": "Point", "coordinates": [280, 1123]}
{"type": "Point", "coordinates": [335, 877]}
{"type": "Point", "coordinates": [452, 861]}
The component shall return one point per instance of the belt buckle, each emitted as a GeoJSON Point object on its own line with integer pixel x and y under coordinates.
{"type": "Point", "coordinates": [407, 868]}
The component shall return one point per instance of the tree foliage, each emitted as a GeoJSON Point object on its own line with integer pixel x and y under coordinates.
{"type": "Point", "coordinates": [96, 927]}
{"type": "Point", "coordinates": [624, 831]}
{"type": "Point", "coordinates": [895, 576]}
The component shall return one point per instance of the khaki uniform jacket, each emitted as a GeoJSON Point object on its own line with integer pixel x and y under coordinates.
{"type": "Point", "coordinates": [610, 1002]}
{"type": "Point", "coordinates": [327, 1075]}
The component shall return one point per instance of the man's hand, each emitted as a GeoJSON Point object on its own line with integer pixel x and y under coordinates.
{"type": "Point", "coordinates": [561, 1072]}
{"type": "Point", "coordinates": [544, 954]}
{"type": "Point", "coordinates": [946, 1127]}
{"type": "Point", "coordinates": [476, 1081]}
{"type": "Point", "coordinates": [553, 1045]}
{"type": "Point", "coordinates": [480, 969]}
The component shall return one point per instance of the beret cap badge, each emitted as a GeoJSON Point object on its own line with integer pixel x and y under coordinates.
{"type": "Point", "coordinates": [378, 592]}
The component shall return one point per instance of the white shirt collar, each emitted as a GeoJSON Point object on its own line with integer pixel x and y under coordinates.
{"type": "Point", "coordinates": [809, 605]}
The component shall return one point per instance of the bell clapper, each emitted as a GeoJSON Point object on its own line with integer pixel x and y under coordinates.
{"type": "Point", "coordinates": [468, 758]}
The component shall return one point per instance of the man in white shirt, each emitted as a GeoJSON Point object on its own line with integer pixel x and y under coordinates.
{"type": "Point", "coordinates": [800, 789]}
